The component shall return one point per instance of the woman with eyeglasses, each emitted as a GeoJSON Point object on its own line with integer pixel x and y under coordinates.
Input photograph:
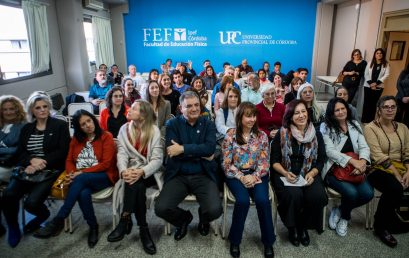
{"type": "Point", "coordinates": [270, 112]}
{"type": "Point", "coordinates": [307, 94]}
{"type": "Point", "coordinates": [353, 72]}
{"type": "Point", "coordinates": [375, 75]}
{"type": "Point", "coordinates": [130, 93]}
{"type": "Point", "coordinates": [389, 144]}
{"type": "Point", "coordinates": [114, 115]}
{"type": "Point", "coordinates": [90, 167]}
{"type": "Point", "coordinates": [168, 93]}
{"type": "Point", "coordinates": [43, 146]}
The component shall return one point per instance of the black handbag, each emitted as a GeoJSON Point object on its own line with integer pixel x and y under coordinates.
{"type": "Point", "coordinates": [37, 177]}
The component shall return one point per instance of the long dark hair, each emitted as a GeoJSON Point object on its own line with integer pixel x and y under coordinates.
{"type": "Point", "coordinates": [332, 122]}
{"type": "Point", "coordinates": [245, 109]}
{"type": "Point", "coordinates": [383, 61]}
{"type": "Point", "coordinates": [79, 134]}
{"type": "Point", "coordinates": [290, 110]}
{"type": "Point", "coordinates": [161, 100]}
{"type": "Point", "coordinates": [110, 93]}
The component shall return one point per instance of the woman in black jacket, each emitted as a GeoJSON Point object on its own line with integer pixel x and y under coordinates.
{"type": "Point", "coordinates": [353, 72]}
{"type": "Point", "coordinates": [43, 146]}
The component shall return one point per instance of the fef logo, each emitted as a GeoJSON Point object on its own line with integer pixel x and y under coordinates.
{"type": "Point", "coordinates": [231, 37]}
{"type": "Point", "coordinates": [180, 34]}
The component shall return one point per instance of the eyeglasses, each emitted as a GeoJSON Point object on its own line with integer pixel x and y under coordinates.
{"type": "Point", "coordinates": [393, 107]}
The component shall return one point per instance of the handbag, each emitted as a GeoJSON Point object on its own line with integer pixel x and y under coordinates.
{"type": "Point", "coordinates": [37, 177]}
{"type": "Point", "coordinates": [59, 189]}
{"type": "Point", "coordinates": [340, 78]}
{"type": "Point", "coordinates": [344, 174]}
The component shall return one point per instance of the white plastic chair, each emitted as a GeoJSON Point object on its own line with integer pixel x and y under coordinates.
{"type": "Point", "coordinates": [73, 107]}
{"type": "Point", "coordinates": [102, 106]}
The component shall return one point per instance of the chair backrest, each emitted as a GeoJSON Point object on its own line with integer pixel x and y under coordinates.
{"type": "Point", "coordinates": [73, 107]}
{"type": "Point", "coordinates": [102, 106]}
{"type": "Point", "coordinates": [61, 117]}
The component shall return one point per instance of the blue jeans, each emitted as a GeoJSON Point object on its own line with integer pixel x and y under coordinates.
{"type": "Point", "coordinates": [259, 194]}
{"type": "Point", "coordinates": [80, 190]}
{"type": "Point", "coordinates": [352, 195]}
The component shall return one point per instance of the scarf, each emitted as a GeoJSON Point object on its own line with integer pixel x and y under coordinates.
{"type": "Point", "coordinates": [309, 140]}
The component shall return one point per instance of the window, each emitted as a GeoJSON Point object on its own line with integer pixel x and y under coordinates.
{"type": "Point", "coordinates": [89, 37]}
{"type": "Point", "coordinates": [15, 60]}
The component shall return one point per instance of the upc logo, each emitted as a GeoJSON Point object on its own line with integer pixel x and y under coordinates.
{"type": "Point", "coordinates": [180, 34]}
{"type": "Point", "coordinates": [231, 37]}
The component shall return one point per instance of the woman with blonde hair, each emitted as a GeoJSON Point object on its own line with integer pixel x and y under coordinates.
{"type": "Point", "coordinates": [140, 155]}
{"type": "Point", "coordinates": [12, 119]}
{"type": "Point", "coordinates": [41, 153]}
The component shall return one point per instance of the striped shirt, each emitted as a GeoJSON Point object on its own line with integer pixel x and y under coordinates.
{"type": "Point", "coordinates": [35, 144]}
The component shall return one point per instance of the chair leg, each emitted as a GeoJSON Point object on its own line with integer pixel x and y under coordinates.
{"type": "Point", "coordinates": [23, 212]}
{"type": "Point", "coordinates": [367, 215]}
{"type": "Point", "coordinates": [224, 215]}
{"type": "Point", "coordinates": [324, 218]}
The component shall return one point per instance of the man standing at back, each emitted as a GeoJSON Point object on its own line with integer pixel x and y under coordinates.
{"type": "Point", "coordinates": [190, 168]}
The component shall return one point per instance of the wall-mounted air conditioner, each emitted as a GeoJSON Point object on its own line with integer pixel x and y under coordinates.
{"type": "Point", "coordinates": [94, 4]}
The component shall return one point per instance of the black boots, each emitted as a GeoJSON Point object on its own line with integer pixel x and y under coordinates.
{"type": "Point", "coordinates": [293, 236]}
{"type": "Point", "coordinates": [51, 228]}
{"type": "Point", "coordinates": [124, 227]}
{"type": "Point", "coordinates": [93, 236]}
{"type": "Point", "coordinates": [146, 239]}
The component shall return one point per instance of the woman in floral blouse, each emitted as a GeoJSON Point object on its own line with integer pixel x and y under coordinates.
{"type": "Point", "coordinates": [246, 164]}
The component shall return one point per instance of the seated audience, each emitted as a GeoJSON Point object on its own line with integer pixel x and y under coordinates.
{"type": "Point", "coordinates": [140, 155]}
{"type": "Point", "coordinates": [40, 157]}
{"type": "Point", "coordinates": [90, 167]}
{"type": "Point", "coordinates": [294, 86]}
{"type": "Point", "coordinates": [153, 75]}
{"type": "Point", "coordinates": [186, 74]}
{"type": "Point", "coordinates": [302, 73]}
{"type": "Point", "coordinates": [228, 72]}
{"type": "Point", "coordinates": [237, 78]}
{"type": "Point", "coordinates": [227, 82]}
{"type": "Point", "coordinates": [246, 165]}
{"type": "Point", "coordinates": [170, 94]}
{"type": "Point", "coordinates": [277, 70]}
{"type": "Point", "coordinates": [130, 93]}
{"type": "Point", "coordinates": [114, 115]}
{"type": "Point", "coordinates": [110, 80]}
{"type": "Point", "coordinates": [167, 67]}
{"type": "Point", "coordinates": [12, 119]}
{"type": "Point", "coordinates": [116, 75]}
{"type": "Point", "coordinates": [210, 78]}
{"type": "Point", "coordinates": [206, 63]}
{"type": "Point", "coordinates": [137, 79]}
{"type": "Point", "coordinates": [315, 113]}
{"type": "Point", "coordinates": [389, 144]}
{"type": "Point", "coordinates": [178, 80]}
{"type": "Point", "coordinates": [342, 136]}
{"type": "Point", "coordinates": [297, 153]}
{"type": "Point", "coordinates": [262, 76]}
{"type": "Point", "coordinates": [160, 106]}
{"type": "Point", "coordinates": [198, 84]}
{"type": "Point", "coordinates": [245, 68]}
{"type": "Point", "coordinates": [190, 169]}
{"type": "Point", "coordinates": [226, 115]}
{"type": "Point", "coordinates": [98, 91]}
{"type": "Point", "coordinates": [269, 112]}
{"type": "Point", "coordinates": [252, 93]}
{"type": "Point", "coordinates": [342, 92]}
{"type": "Point", "coordinates": [266, 68]}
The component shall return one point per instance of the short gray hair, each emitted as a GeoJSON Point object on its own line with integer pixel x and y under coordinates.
{"type": "Point", "coordinates": [34, 97]}
{"type": "Point", "coordinates": [187, 95]}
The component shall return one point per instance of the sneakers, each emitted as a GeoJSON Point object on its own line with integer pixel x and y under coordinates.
{"type": "Point", "coordinates": [334, 217]}
{"type": "Point", "coordinates": [342, 227]}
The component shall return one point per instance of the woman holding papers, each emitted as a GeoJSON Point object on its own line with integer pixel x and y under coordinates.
{"type": "Point", "coordinates": [343, 136]}
{"type": "Point", "coordinates": [246, 162]}
{"type": "Point", "coordinates": [297, 158]}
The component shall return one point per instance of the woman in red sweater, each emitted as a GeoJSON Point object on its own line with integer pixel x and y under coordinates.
{"type": "Point", "coordinates": [90, 167]}
{"type": "Point", "coordinates": [114, 115]}
{"type": "Point", "coordinates": [270, 113]}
